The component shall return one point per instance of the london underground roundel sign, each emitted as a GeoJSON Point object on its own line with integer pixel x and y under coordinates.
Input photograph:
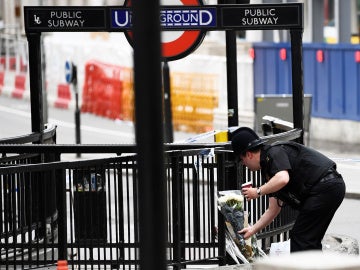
{"type": "Point", "coordinates": [177, 44]}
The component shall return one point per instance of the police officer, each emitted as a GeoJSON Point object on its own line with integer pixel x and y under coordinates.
{"type": "Point", "coordinates": [292, 174]}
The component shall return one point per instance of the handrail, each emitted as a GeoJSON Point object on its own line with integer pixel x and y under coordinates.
{"type": "Point", "coordinates": [284, 136]}
{"type": "Point", "coordinates": [279, 123]}
{"type": "Point", "coordinates": [48, 134]}
{"type": "Point", "coordinates": [10, 147]}
{"type": "Point", "coordinates": [276, 231]}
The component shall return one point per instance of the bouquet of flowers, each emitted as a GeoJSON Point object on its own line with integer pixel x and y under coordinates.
{"type": "Point", "coordinates": [230, 204]}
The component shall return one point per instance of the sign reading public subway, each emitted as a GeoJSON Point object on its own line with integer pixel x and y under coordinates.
{"type": "Point", "coordinates": [262, 16]}
{"type": "Point", "coordinates": [65, 19]}
{"type": "Point", "coordinates": [209, 17]}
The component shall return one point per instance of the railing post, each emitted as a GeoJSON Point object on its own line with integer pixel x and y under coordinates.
{"type": "Point", "coordinates": [177, 192]}
{"type": "Point", "coordinates": [222, 179]}
{"type": "Point", "coordinates": [195, 198]}
{"type": "Point", "coordinates": [62, 216]}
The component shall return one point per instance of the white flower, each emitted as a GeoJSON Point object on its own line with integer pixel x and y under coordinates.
{"type": "Point", "coordinates": [232, 199]}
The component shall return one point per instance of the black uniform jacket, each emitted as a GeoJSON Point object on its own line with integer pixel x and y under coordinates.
{"type": "Point", "coordinates": [305, 166]}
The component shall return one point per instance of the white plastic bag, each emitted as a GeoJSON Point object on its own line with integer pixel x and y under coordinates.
{"type": "Point", "coordinates": [280, 248]}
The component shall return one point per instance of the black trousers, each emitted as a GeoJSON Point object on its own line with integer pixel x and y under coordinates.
{"type": "Point", "coordinates": [316, 214]}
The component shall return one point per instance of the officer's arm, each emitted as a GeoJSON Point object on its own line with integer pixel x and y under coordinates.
{"type": "Point", "coordinates": [268, 216]}
{"type": "Point", "coordinates": [277, 182]}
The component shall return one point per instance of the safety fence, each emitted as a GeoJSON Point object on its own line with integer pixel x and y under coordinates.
{"type": "Point", "coordinates": [194, 96]}
{"type": "Point", "coordinates": [87, 211]}
{"type": "Point", "coordinates": [333, 92]}
{"type": "Point", "coordinates": [96, 216]}
{"type": "Point", "coordinates": [108, 91]}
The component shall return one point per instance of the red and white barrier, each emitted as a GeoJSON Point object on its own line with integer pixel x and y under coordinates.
{"type": "Point", "coordinates": [20, 86]}
{"type": "Point", "coordinates": [8, 83]}
{"type": "Point", "coordinates": [14, 84]}
{"type": "Point", "coordinates": [63, 96]}
{"type": "Point", "coordinates": [17, 86]}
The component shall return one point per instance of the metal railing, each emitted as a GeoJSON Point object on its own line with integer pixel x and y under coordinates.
{"type": "Point", "coordinates": [97, 215]}
{"type": "Point", "coordinates": [87, 211]}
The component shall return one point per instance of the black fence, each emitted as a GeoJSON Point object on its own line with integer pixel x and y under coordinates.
{"type": "Point", "coordinates": [87, 211]}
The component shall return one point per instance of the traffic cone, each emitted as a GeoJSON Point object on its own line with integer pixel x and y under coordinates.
{"type": "Point", "coordinates": [62, 265]}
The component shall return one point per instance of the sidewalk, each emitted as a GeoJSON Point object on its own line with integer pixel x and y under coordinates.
{"type": "Point", "coordinates": [347, 158]}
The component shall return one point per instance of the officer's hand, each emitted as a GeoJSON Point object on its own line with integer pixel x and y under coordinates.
{"type": "Point", "coordinates": [247, 232]}
{"type": "Point", "coordinates": [249, 193]}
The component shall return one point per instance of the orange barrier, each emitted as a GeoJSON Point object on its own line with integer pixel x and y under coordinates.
{"type": "Point", "coordinates": [107, 91]}
{"type": "Point", "coordinates": [19, 89]}
{"type": "Point", "coordinates": [127, 94]}
{"type": "Point", "coordinates": [63, 96]}
{"type": "Point", "coordinates": [194, 96]}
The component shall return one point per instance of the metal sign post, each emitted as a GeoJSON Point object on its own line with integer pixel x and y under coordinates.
{"type": "Point", "coordinates": [71, 78]}
{"type": "Point", "coordinates": [35, 72]}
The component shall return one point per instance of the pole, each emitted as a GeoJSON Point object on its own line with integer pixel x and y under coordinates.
{"type": "Point", "coordinates": [231, 73]}
{"type": "Point", "coordinates": [297, 81]}
{"type": "Point", "coordinates": [77, 110]}
{"type": "Point", "coordinates": [149, 133]}
{"type": "Point", "coordinates": [35, 71]}
{"type": "Point", "coordinates": [169, 136]}
{"type": "Point", "coordinates": [231, 67]}
{"type": "Point", "coordinates": [77, 118]}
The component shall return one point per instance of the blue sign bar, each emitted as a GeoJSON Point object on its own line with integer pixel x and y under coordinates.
{"type": "Point", "coordinates": [170, 18]}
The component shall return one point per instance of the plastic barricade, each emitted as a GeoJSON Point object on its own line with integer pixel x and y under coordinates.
{"type": "Point", "coordinates": [9, 63]}
{"type": "Point", "coordinates": [127, 95]}
{"type": "Point", "coordinates": [63, 96]}
{"type": "Point", "coordinates": [20, 82]}
{"type": "Point", "coordinates": [107, 91]}
{"type": "Point", "coordinates": [90, 84]}
{"type": "Point", "coordinates": [194, 97]}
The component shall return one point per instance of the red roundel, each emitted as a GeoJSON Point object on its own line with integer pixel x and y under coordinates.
{"type": "Point", "coordinates": [177, 44]}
